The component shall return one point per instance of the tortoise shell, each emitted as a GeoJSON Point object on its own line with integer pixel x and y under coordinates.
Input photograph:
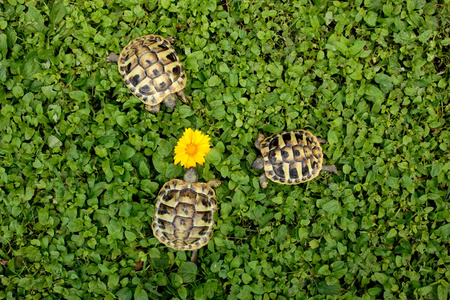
{"type": "Point", "coordinates": [292, 157]}
{"type": "Point", "coordinates": [151, 69]}
{"type": "Point", "coordinates": [184, 215]}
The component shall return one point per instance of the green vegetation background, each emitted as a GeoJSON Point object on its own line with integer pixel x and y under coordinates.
{"type": "Point", "coordinates": [82, 161]}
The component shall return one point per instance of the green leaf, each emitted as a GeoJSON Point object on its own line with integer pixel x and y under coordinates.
{"type": "Point", "coordinates": [165, 4]}
{"type": "Point", "coordinates": [326, 289]}
{"type": "Point", "coordinates": [425, 290]}
{"type": "Point", "coordinates": [443, 231]}
{"type": "Point", "coordinates": [392, 233]}
{"type": "Point", "coordinates": [188, 271]}
{"type": "Point", "coordinates": [182, 292]}
{"type": "Point", "coordinates": [337, 122]}
{"type": "Point", "coordinates": [384, 81]}
{"type": "Point", "coordinates": [328, 17]}
{"type": "Point", "coordinates": [126, 153]}
{"type": "Point", "coordinates": [214, 81]}
{"type": "Point", "coordinates": [53, 142]}
{"type": "Point", "coordinates": [332, 137]}
{"type": "Point", "coordinates": [43, 215]}
{"type": "Point", "coordinates": [185, 111]}
{"type": "Point", "coordinates": [140, 294]}
{"type": "Point", "coordinates": [76, 225]}
{"type": "Point", "coordinates": [159, 164]}
{"type": "Point", "coordinates": [214, 157]}
{"type": "Point", "coordinates": [34, 21]}
{"type": "Point", "coordinates": [58, 12]}
{"type": "Point", "coordinates": [442, 292]}
{"type": "Point", "coordinates": [380, 277]}
{"type": "Point", "coordinates": [410, 5]}
{"type": "Point", "coordinates": [122, 121]}
{"type": "Point", "coordinates": [115, 229]}
{"type": "Point", "coordinates": [223, 67]}
{"type": "Point", "coordinates": [332, 207]}
{"type": "Point", "coordinates": [193, 59]}
{"type": "Point", "coordinates": [3, 45]}
{"type": "Point", "coordinates": [356, 48]}
{"type": "Point", "coordinates": [49, 92]}
{"type": "Point", "coordinates": [143, 169]}
{"type": "Point", "coordinates": [276, 70]}
{"type": "Point", "coordinates": [79, 95]}
{"type": "Point", "coordinates": [373, 93]}
{"type": "Point", "coordinates": [371, 18]}
{"type": "Point", "coordinates": [314, 244]}
{"type": "Point", "coordinates": [246, 279]}
{"type": "Point", "coordinates": [346, 169]}
{"type": "Point", "coordinates": [308, 90]}
{"type": "Point", "coordinates": [324, 270]}
{"type": "Point", "coordinates": [234, 79]}
{"type": "Point", "coordinates": [17, 91]}
{"type": "Point", "coordinates": [436, 169]}
{"type": "Point", "coordinates": [282, 232]}
{"type": "Point", "coordinates": [101, 151]}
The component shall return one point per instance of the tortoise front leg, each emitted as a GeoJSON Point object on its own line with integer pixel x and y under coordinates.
{"type": "Point", "coordinates": [258, 163]}
{"type": "Point", "coordinates": [214, 183]}
{"type": "Point", "coordinates": [258, 141]}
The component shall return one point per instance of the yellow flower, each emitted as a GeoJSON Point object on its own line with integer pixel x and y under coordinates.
{"type": "Point", "coordinates": [192, 148]}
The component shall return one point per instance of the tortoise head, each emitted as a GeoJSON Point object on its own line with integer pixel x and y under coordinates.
{"type": "Point", "coordinates": [191, 175]}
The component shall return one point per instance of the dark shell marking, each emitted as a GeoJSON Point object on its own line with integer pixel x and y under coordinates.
{"type": "Point", "coordinates": [292, 157]}
{"type": "Point", "coordinates": [151, 69]}
{"type": "Point", "coordinates": [184, 215]}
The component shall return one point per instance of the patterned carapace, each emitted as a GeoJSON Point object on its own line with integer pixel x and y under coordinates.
{"type": "Point", "coordinates": [151, 69]}
{"type": "Point", "coordinates": [292, 157]}
{"type": "Point", "coordinates": [184, 215]}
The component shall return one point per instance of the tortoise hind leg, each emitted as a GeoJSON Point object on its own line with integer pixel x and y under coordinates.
{"type": "Point", "coordinates": [152, 108]}
{"type": "Point", "coordinates": [194, 256]}
{"type": "Point", "coordinates": [112, 57]}
{"type": "Point", "coordinates": [263, 181]}
{"type": "Point", "coordinates": [171, 39]}
{"type": "Point", "coordinates": [331, 169]}
{"type": "Point", "coordinates": [183, 97]}
{"type": "Point", "coordinates": [170, 101]}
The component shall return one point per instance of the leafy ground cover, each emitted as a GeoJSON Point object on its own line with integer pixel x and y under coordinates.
{"type": "Point", "coordinates": [82, 161]}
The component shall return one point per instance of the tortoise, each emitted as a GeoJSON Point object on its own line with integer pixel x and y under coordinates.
{"type": "Point", "coordinates": [152, 71]}
{"type": "Point", "coordinates": [290, 157]}
{"type": "Point", "coordinates": [184, 212]}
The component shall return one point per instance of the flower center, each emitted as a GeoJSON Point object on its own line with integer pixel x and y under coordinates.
{"type": "Point", "coordinates": [191, 149]}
